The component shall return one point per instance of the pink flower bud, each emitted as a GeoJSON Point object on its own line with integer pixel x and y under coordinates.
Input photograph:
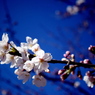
{"type": "Point", "coordinates": [65, 55]}
{"type": "Point", "coordinates": [88, 73]}
{"type": "Point", "coordinates": [92, 49]}
{"type": "Point", "coordinates": [64, 76]}
{"type": "Point", "coordinates": [87, 61]}
{"type": "Point", "coordinates": [61, 71]}
{"type": "Point", "coordinates": [68, 52]}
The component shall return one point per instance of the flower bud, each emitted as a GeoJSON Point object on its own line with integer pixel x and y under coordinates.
{"type": "Point", "coordinates": [87, 61]}
{"type": "Point", "coordinates": [66, 54]}
{"type": "Point", "coordinates": [61, 71]}
{"type": "Point", "coordinates": [92, 49]}
{"type": "Point", "coordinates": [88, 73]}
{"type": "Point", "coordinates": [64, 76]}
{"type": "Point", "coordinates": [47, 71]}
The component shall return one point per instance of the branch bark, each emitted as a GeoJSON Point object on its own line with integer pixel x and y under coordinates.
{"type": "Point", "coordinates": [73, 63]}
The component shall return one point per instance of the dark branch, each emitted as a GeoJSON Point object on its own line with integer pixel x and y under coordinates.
{"type": "Point", "coordinates": [73, 63]}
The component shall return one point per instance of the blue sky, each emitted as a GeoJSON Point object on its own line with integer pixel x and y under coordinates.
{"type": "Point", "coordinates": [37, 19]}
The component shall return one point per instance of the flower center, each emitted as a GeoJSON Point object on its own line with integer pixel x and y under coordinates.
{"type": "Point", "coordinates": [38, 79]}
{"type": "Point", "coordinates": [5, 47]}
{"type": "Point", "coordinates": [41, 60]}
{"type": "Point", "coordinates": [36, 49]}
{"type": "Point", "coordinates": [30, 45]}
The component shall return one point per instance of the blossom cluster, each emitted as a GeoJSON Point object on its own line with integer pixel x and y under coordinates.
{"type": "Point", "coordinates": [72, 9]}
{"type": "Point", "coordinates": [89, 79]}
{"type": "Point", "coordinates": [75, 8]}
{"type": "Point", "coordinates": [29, 57]}
{"type": "Point", "coordinates": [20, 58]}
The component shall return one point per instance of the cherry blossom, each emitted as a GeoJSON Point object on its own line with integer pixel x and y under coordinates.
{"type": "Point", "coordinates": [89, 79]}
{"type": "Point", "coordinates": [28, 65]}
{"type": "Point", "coordinates": [79, 2]}
{"type": "Point", "coordinates": [72, 9]}
{"type": "Point", "coordinates": [4, 46]}
{"type": "Point", "coordinates": [30, 42]}
{"type": "Point", "coordinates": [9, 58]}
{"type": "Point", "coordinates": [23, 75]}
{"type": "Point", "coordinates": [41, 61]}
{"type": "Point", "coordinates": [39, 81]}
{"type": "Point", "coordinates": [30, 57]}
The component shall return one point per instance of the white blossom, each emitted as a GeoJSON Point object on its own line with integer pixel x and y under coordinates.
{"type": "Point", "coordinates": [4, 43]}
{"type": "Point", "coordinates": [79, 2]}
{"type": "Point", "coordinates": [30, 42]}
{"type": "Point", "coordinates": [22, 48]}
{"type": "Point", "coordinates": [19, 57]}
{"type": "Point", "coordinates": [39, 81]}
{"type": "Point", "coordinates": [8, 58]}
{"type": "Point", "coordinates": [41, 61]}
{"type": "Point", "coordinates": [89, 80]}
{"type": "Point", "coordinates": [28, 65]}
{"type": "Point", "coordinates": [72, 9]}
{"type": "Point", "coordinates": [18, 71]}
{"type": "Point", "coordinates": [19, 62]}
{"type": "Point", "coordinates": [23, 76]}
{"type": "Point", "coordinates": [36, 48]}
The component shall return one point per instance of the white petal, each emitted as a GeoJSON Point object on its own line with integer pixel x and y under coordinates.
{"type": "Point", "coordinates": [35, 60]}
{"type": "Point", "coordinates": [39, 81]}
{"type": "Point", "coordinates": [47, 57]}
{"type": "Point", "coordinates": [35, 48]}
{"type": "Point", "coordinates": [13, 44]}
{"type": "Point", "coordinates": [44, 66]}
{"type": "Point", "coordinates": [28, 39]}
{"type": "Point", "coordinates": [35, 41]}
{"type": "Point", "coordinates": [28, 66]}
{"type": "Point", "coordinates": [40, 53]}
{"type": "Point", "coordinates": [5, 37]}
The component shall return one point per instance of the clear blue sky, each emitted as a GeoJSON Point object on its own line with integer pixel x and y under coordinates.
{"type": "Point", "coordinates": [37, 19]}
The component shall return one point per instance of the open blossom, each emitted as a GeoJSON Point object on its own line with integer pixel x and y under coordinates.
{"type": "Point", "coordinates": [19, 62]}
{"type": "Point", "coordinates": [36, 48]}
{"type": "Point", "coordinates": [72, 9]}
{"type": "Point", "coordinates": [31, 42]}
{"type": "Point", "coordinates": [89, 79]}
{"type": "Point", "coordinates": [79, 2]}
{"type": "Point", "coordinates": [28, 65]}
{"type": "Point", "coordinates": [18, 71]}
{"type": "Point", "coordinates": [22, 75]}
{"type": "Point", "coordinates": [4, 43]}
{"type": "Point", "coordinates": [41, 61]}
{"type": "Point", "coordinates": [39, 81]}
{"type": "Point", "coordinates": [9, 59]}
{"type": "Point", "coordinates": [22, 48]}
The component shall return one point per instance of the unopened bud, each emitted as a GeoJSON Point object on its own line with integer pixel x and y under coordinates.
{"type": "Point", "coordinates": [47, 71]}
{"type": "Point", "coordinates": [87, 61]}
{"type": "Point", "coordinates": [66, 54]}
{"type": "Point", "coordinates": [88, 73]}
{"type": "Point", "coordinates": [92, 49]}
{"type": "Point", "coordinates": [64, 76]}
{"type": "Point", "coordinates": [61, 71]}
{"type": "Point", "coordinates": [64, 59]}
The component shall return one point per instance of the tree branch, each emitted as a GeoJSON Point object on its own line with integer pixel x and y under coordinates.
{"type": "Point", "coordinates": [73, 63]}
